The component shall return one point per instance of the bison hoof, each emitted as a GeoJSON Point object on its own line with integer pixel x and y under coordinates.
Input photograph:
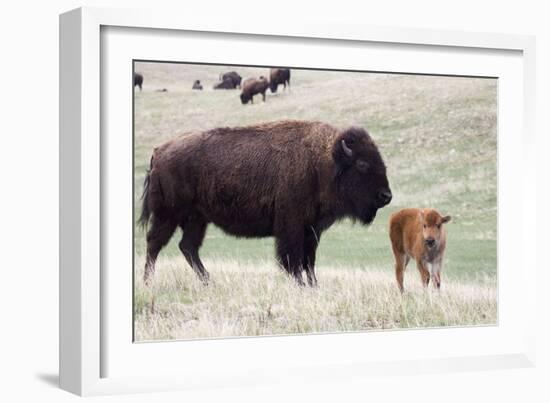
{"type": "Point", "coordinates": [205, 278]}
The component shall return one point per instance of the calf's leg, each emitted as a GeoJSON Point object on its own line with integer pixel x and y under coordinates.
{"type": "Point", "coordinates": [424, 272]}
{"type": "Point", "coordinates": [401, 259]}
{"type": "Point", "coordinates": [436, 274]}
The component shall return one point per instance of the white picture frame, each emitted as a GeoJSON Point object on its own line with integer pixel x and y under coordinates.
{"type": "Point", "coordinates": [86, 346]}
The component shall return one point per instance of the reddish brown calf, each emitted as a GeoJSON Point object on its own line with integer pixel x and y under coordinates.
{"type": "Point", "coordinates": [419, 234]}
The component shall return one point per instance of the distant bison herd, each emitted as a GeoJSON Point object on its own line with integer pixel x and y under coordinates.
{"type": "Point", "coordinates": [290, 180]}
{"type": "Point", "coordinates": [249, 87]}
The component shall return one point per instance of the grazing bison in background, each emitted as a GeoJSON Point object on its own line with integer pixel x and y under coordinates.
{"type": "Point", "coordinates": [253, 86]}
{"type": "Point", "coordinates": [138, 80]}
{"type": "Point", "coordinates": [234, 77]}
{"type": "Point", "coordinates": [279, 76]}
{"type": "Point", "coordinates": [418, 234]}
{"type": "Point", "coordinates": [291, 180]}
{"type": "Point", "coordinates": [197, 85]}
{"type": "Point", "coordinates": [229, 81]}
{"type": "Point", "coordinates": [225, 85]}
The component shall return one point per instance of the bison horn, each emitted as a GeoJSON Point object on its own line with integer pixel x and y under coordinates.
{"type": "Point", "coordinates": [346, 149]}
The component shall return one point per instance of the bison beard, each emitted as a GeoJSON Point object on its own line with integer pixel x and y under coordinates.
{"type": "Point", "coordinates": [290, 179]}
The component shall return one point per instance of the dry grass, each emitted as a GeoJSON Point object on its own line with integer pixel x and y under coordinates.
{"type": "Point", "coordinates": [259, 299]}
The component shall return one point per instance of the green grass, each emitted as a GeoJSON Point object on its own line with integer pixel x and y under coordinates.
{"type": "Point", "coordinates": [438, 136]}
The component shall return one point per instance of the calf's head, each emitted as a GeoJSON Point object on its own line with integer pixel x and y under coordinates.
{"type": "Point", "coordinates": [432, 226]}
{"type": "Point", "coordinates": [361, 176]}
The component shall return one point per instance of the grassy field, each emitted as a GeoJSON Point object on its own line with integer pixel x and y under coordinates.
{"type": "Point", "coordinates": [438, 138]}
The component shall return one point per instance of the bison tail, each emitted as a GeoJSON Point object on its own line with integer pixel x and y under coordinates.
{"type": "Point", "coordinates": [145, 210]}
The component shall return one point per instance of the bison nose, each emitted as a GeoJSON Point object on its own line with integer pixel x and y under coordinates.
{"type": "Point", "coordinates": [430, 242]}
{"type": "Point", "coordinates": [384, 197]}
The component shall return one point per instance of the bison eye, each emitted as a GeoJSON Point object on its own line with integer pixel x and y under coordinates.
{"type": "Point", "coordinates": [424, 225]}
{"type": "Point", "coordinates": [362, 165]}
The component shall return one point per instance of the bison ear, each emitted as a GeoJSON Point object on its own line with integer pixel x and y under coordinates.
{"type": "Point", "coordinates": [445, 219]}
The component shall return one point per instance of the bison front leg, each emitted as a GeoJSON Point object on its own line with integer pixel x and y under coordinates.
{"type": "Point", "coordinates": [311, 242]}
{"type": "Point", "coordinates": [290, 250]}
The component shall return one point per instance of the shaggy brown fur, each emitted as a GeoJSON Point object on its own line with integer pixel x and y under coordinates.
{"type": "Point", "coordinates": [138, 80]}
{"type": "Point", "coordinates": [419, 234]}
{"type": "Point", "coordinates": [279, 76]}
{"type": "Point", "coordinates": [253, 86]}
{"type": "Point", "coordinates": [289, 179]}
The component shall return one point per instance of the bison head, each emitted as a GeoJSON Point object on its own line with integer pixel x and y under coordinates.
{"type": "Point", "coordinates": [432, 223]}
{"type": "Point", "coordinates": [362, 183]}
{"type": "Point", "coordinates": [245, 98]}
{"type": "Point", "coordinates": [273, 86]}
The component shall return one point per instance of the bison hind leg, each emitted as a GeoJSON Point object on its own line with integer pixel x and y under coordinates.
{"type": "Point", "coordinates": [160, 232]}
{"type": "Point", "coordinates": [194, 231]}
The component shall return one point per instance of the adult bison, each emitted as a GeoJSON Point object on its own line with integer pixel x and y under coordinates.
{"type": "Point", "coordinates": [230, 80]}
{"type": "Point", "coordinates": [291, 180]}
{"type": "Point", "coordinates": [253, 86]}
{"type": "Point", "coordinates": [419, 234]}
{"type": "Point", "coordinates": [279, 76]}
{"type": "Point", "coordinates": [138, 80]}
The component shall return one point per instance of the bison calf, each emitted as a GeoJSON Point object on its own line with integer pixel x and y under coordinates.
{"type": "Point", "coordinates": [419, 234]}
{"type": "Point", "coordinates": [253, 86]}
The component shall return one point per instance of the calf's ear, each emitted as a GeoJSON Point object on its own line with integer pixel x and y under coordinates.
{"type": "Point", "coordinates": [445, 219]}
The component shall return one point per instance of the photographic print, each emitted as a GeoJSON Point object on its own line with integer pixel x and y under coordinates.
{"type": "Point", "coordinates": [276, 200]}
